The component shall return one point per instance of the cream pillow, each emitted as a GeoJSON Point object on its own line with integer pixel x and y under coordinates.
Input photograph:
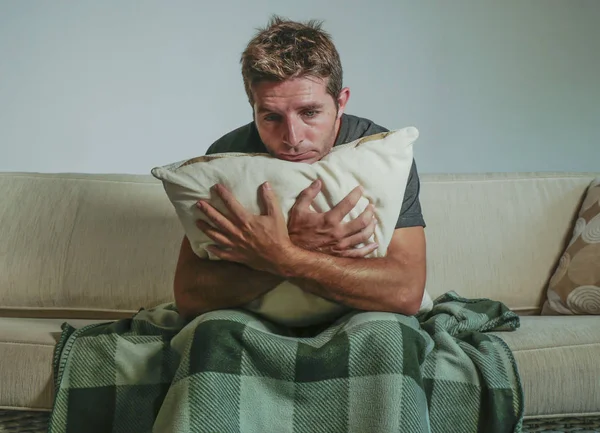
{"type": "Point", "coordinates": [575, 285]}
{"type": "Point", "coordinates": [379, 163]}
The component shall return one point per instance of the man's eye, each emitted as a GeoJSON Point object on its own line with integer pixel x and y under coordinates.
{"type": "Point", "coordinates": [311, 113]}
{"type": "Point", "coordinates": [271, 118]}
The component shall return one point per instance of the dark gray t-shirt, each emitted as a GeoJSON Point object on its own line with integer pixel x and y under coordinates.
{"type": "Point", "coordinates": [247, 140]}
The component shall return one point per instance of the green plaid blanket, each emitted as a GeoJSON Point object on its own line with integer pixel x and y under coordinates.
{"type": "Point", "coordinates": [232, 371]}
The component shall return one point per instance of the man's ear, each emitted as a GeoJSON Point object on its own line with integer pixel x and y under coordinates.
{"type": "Point", "coordinates": [342, 100]}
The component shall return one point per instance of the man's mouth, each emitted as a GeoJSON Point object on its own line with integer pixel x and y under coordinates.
{"type": "Point", "coordinates": [298, 156]}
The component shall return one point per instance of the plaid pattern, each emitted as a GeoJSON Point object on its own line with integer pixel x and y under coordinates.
{"type": "Point", "coordinates": [231, 371]}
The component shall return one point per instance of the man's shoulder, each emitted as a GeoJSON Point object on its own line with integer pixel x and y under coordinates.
{"type": "Point", "coordinates": [364, 123]}
{"type": "Point", "coordinates": [244, 139]}
{"type": "Point", "coordinates": [410, 213]}
{"type": "Point", "coordinates": [355, 127]}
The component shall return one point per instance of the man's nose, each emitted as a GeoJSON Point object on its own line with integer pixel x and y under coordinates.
{"type": "Point", "coordinates": [292, 134]}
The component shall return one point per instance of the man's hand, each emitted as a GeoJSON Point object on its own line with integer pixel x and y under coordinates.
{"type": "Point", "coordinates": [325, 232]}
{"type": "Point", "coordinates": [254, 240]}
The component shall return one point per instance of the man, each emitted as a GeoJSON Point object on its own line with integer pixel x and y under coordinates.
{"type": "Point", "coordinates": [293, 78]}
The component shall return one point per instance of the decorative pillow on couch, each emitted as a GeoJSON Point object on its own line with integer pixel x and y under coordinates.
{"type": "Point", "coordinates": [380, 164]}
{"type": "Point", "coordinates": [575, 286]}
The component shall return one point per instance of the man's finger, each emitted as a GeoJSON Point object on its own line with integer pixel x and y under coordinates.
{"type": "Point", "coordinates": [213, 234]}
{"type": "Point", "coordinates": [359, 253]}
{"type": "Point", "coordinates": [220, 253]}
{"type": "Point", "coordinates": [270, 200]}
{"type": "Point", "coordinates": [238, 212]}
{"type": "Point", "coordinates": [308, 195]}
{"type": "Point", "coordinates": [358, 238]}
{"type": "Point", "coordinates": [339, 211]}
{"type": "Point", "coordinates": [217, 218]}
{"type": "Point", "coordinates": [360, 223]}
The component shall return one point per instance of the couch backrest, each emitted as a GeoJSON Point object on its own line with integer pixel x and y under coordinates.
{"type": "Point", "coordinates": [103, 246]}
{"type": "Point", "coordinates": [85, 245]}
{"type": "Point", "coordinates": [499, 235]}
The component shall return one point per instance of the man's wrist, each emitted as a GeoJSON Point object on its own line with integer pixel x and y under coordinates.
{"type": "Point", "coordinates": [288, 263]}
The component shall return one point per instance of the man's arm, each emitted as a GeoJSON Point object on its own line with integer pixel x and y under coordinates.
{"type": "Point", "coordinates": [326, 233]}
{"type": "Point", "coordinates": [203, 285]}
{"type": "Point", "coordinates": [392, 283]}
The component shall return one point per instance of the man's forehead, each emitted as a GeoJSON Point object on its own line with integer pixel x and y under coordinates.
{"type": "Point", "coordinates": [298, 104]}
{"type": "Point", "coordinates": [295, 88]}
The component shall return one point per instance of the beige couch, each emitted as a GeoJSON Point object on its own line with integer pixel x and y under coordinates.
{"type": "Point", "coordinates": [97, 247]}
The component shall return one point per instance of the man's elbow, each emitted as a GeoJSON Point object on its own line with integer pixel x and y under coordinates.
{"type": "Point", "coordinates": [187, 309]}
{"type": "Point", "coordinates": [410, 307]}
{"type": "Point", "coordinates": [182, 305]}
{"type": "Point", "coordinates": [408, 301]}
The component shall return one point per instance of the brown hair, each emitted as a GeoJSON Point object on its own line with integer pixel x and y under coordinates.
{"type": "Point", "coordinates": [287, 49]}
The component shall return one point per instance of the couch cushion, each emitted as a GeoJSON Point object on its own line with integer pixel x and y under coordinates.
{"type": "Point", "coordinates": [26, 354]}
{"type": "Point", "coordinates": [559, 362]}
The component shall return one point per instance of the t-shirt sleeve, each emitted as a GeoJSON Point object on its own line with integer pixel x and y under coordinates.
{"type": "Point", "coordinates": [213, 148]}
{"type": "Point", "coordinates": [244, 139]}
{"type": "Point", "coordinates": [410, 213]}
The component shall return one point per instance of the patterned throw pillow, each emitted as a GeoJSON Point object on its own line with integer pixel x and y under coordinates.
{"type": "Point", "coordinates": [575, 286]}
{"type": "Point", "coordinates": [379, 163]}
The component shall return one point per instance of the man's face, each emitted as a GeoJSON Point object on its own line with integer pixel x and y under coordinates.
{"type": "Point", "coordinates": [297, 119]}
